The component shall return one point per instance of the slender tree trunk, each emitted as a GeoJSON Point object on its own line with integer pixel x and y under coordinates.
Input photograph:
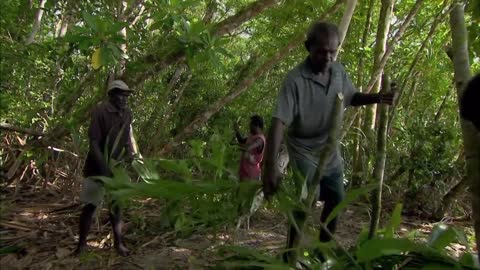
{"type": "Point", "coordinates": [210, 11]}
{"type": "Point", "coordinates": [36, 23]}
{"type": "Point", "coordinates": [471, 138]}
{"type": "Point", "coordinates": [122, 17]}
{"type": "Point", "coordinates": [378, 72]}
{"type": "Point", "coordinates": [449, 197]}
{"type": "Point", "coordinates": [357, 168]}
{"type": "Point", "coordinates": [411, 94]}
{"type": "Point", "coordinates": [379, 168]}
{"type": "Point", "coordinates": [442, 107]}
{"type": "Point", "coordinates": [368, 125]}
{"type": "Point", "coordinates": [345, 22]}
{"type": "Point", "coordinates": [242, 86]}
{"type": "Point", "coordinates": [380, 48]}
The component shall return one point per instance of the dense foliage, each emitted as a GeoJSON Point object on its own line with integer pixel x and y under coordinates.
{"type": "Point", "coordinates": [198, 66]}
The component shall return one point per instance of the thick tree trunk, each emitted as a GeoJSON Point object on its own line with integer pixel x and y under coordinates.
{"type": "Point", "coordinates": [345, 22]}
{"type": "Point", "coordinates": [471, 138]}
{"type": "Point", "coordinates": [36, 23]}
{"type": "Point", "coordinates": [155, 64]}
{"type": "Point", "coordinates": [242, 86]}
{"type": "Point", "coordinates": [379, 168]}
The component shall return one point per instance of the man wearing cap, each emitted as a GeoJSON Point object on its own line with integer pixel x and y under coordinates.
{"type": "Point", "coordinates": [110, 135]}
{"type": "Point", "coordinates": [304, 107]}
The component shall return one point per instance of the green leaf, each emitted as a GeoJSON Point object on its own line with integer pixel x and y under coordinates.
{"type": "Point", "coordinates": [469, 260]}
{"type": "Point", "coordinates": [90, 20]}
{"type": "Point", "coordinates": [351, 196]}
{"type": "Point", "coordinates": [441, 236]}
{"type": "Point", "coordinates": [97, 58]}
{"type": "Point", "coordinates": [395, 221]}
{"type": "Point", "coordinates": [177, 166]}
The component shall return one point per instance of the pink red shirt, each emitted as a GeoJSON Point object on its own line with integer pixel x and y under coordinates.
{"type": "Point", "coordinates": [250, 163]}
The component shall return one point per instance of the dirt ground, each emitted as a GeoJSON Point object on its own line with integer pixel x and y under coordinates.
{"type": "Point", "coordinates": [44, 225]}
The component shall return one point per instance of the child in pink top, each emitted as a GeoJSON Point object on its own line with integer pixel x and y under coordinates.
{"type": "Point", "coordinates": [252, 150]}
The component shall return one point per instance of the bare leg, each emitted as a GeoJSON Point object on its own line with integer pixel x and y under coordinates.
{"type": "Point", "coordinates": [116, 221]}
{"type": "Point", "coordinates": [294, 237]}
{"type": "Point", "coordinates": [84, 227]}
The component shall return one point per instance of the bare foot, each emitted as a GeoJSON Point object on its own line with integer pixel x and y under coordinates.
{"type": "Point", "coordinates": [122, 250]}
{"type": "Point", "coordinates": [81, 249]}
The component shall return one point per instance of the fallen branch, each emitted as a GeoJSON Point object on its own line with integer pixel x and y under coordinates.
{"type": "Point", "coordinates": [29, 131]}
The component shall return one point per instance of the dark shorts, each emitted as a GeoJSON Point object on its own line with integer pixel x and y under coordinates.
{"type": "Point", "coordinates": [331, 185]}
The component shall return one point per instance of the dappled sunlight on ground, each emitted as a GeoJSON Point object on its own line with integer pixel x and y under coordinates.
{"type": "Point", "coordinates": [45, 230]}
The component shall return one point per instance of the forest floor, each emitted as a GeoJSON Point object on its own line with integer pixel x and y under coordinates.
{"type": "Point", "coordinates": [44, 226]}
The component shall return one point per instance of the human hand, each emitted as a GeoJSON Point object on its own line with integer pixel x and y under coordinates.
{"type": "Point", "coordinates": [270, 183]}
{"type": "Point", "coordinates": [390, 97]}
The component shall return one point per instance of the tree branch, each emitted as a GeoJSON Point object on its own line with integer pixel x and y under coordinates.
{"type": "Point", "coordinates": [376, 74]}
{"type": "Point", "coordinates": [177, 54]}
{"type": "Point", "coordinates": [28, 131]}
{"type": "Point", "coordinates": [36, 23]}
{"type": "Point", "coordinates": [242, 86]}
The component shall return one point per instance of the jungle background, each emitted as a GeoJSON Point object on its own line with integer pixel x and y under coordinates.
{"type": "Point", "coordinates": [197, 67]}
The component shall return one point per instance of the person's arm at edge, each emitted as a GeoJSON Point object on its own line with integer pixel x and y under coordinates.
{"type": "Point", "coordinates": [270, 176]}
{"type": "Point", "coordinates": [240, 139]}
{"type": "Point", "coordinates": [360, 99]}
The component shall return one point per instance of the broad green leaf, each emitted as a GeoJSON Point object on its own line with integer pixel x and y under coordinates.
{"type": "Point", "coordinates": [177, 166]}
{"type": "Point", "coordinates": [395, 221]}
{"type": "Point", "coordinates": [469, 260]}
{"type": "Point", "coordinates": [90, 20]}
{"type": "Point", "coordinates": [351, 196]}
{"type": "Point", "coordinates": [441, 236]}
{"type": "Point", "coordinates": [97, 58]}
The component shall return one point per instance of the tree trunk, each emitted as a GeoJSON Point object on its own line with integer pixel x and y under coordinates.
{"type": "Point", "coordinates": [380, 48]}
{"type": "Point", "coordinates": [345, 22]}
{"type": "Point", "coordinates": [471, 138]}
{"type": "Point", "coordinates": [210, 11]}
{"type": "Point", "coordinates": [442, 106]}
{"type": "Point", "coordinates": [357, 168]}
{"type": "Point", "coordinates": [451, 195]}
{"type": "Point", "coordinates": [122, 15]}
{"type": "Point", "coordinates": [36, 23]}
{"type": "Point", "coordinates": [377, 73]}
{"type": "Point", "coordinates": [379, 168]}
{"type": "Point", "coordinates": [368, 125]}
{"type": "Point", "coordinates": [242, 86]}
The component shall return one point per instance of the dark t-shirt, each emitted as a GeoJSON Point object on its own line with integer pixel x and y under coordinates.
{"type": "Point", "coordinates": [111, 128]}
